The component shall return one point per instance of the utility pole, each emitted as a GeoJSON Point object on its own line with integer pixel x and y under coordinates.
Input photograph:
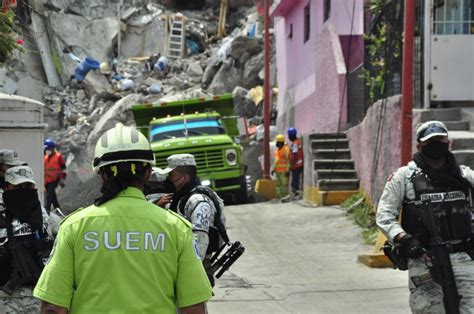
{"type": "Point", "coordinates": [266, 135]}
{"type": "Point", "coordinates": [407, 83]}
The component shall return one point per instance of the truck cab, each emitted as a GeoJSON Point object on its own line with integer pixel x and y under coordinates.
{"type": "Point", "coordinates": [205, 128]}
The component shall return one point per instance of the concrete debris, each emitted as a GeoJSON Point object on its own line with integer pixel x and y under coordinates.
{"type": "Point", "coordinates": [96, 42]}
{"type": "Point", "coordinates": [227, 78]}
{"type": "Point", "coordinates": [244, 106]}
{"type": "Point", "coordinates": [195, 70]}
{"type": "Point", "coordinates": [31, 88]}
{"type": "Point", "coordinates": [96, 83]}
{"type": "Point", "coordinates": [252, 69]}
{"type": "Point", "coordinates": [7, 85]}
{"type": "Point", "coordinates": [242, 48]}
{"type": "Point", "coordinates": [138, 72]}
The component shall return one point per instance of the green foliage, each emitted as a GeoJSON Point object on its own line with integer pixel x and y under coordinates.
{"type": "Point", "coordinates": [363, 215]}
{"type": "Point", "coordinates": [384, 43]}
{"type": "Point", "coordinates": [56, 61]}
{"type": "Point", "coordinates": [8, 41]}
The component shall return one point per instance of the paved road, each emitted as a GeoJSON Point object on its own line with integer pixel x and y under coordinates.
{"type": "Point", "coordinates": [303, 260]}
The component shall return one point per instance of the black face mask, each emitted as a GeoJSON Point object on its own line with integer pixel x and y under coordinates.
{"type": "Point", "coordinates": [24, 205]}
{"type": "Point", "coordinates": [279, 145]}
{"type": "Point", "coordinates": [2, 182]}
{"type": "Point", "coordinates": [435, 150]}
{"type": "Point", "coordinates": [169, 186]}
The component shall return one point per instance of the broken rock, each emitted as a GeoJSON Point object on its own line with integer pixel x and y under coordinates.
{"type": "Point", "coordinates": [96, 83]}
{"type": "Point", "coordinates": [226, 78]}
{"type": "Point", "coordinates": [242, 48]}
{"type": "Point", "coordinates": [251, 70]}
{"type": "Point", "coordinates": [243, 103]}
{"type": "Point", "coordinates": [195, 70]}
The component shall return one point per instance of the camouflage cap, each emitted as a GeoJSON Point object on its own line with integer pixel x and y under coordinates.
{"type": "Point", "coordinates": [156, 175]}
{"type": "Point", "coordinates": [431, 129]}
{"type": "Point", "coordinates": [19, 174]}
{"type": "Point", "coordinates": [178, 160]}
{"type": "Point", "coordinates": [9, 157]}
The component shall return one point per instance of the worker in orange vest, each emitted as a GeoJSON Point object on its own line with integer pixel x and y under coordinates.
{"type": "Point", "coordinates": [281, 166]}
{"type": "Point", "coordinates": [54, 172]}
{"type": "Point", "coordinates": [296, 160]}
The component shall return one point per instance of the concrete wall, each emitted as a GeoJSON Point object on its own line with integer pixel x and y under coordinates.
{"type": "Point", "coordinates": [375, 145]}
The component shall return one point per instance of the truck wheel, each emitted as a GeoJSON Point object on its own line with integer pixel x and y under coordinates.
{"type": "Point", "coordinates": [242, 195]}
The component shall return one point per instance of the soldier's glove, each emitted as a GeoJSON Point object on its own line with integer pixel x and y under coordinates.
{"type": "Point", "coordinates": [411, 247]}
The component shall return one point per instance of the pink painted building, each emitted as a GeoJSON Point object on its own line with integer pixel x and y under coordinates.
{"type": "Point", "coordinates": [319, 44]}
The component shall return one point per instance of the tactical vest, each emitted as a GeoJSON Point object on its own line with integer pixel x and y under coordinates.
{"type": "Point", "coordinates": [454, 207]}
{"type": "Point", "coordinates": [217, 228]}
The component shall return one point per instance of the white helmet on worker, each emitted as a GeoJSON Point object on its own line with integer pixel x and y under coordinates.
{"type": "Point", "coordinates": [122, 144]}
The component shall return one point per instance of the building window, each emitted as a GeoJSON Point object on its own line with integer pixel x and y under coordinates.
{"type": "Point", "coordinates": [307, 22]}
{"type": "Point", "coordinates": [290, 33]}
{"type": "Point", "coordinates": [454, 17]}
{"type": "Point", "coordinates": [327, 10]}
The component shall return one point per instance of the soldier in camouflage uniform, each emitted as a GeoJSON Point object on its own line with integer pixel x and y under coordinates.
{"type": "Point", "coordinates": [432, 174]}
{"type": "Point", "coordinates": [197, 208]}
{"type": "Point", "coordinates": [19, 193]}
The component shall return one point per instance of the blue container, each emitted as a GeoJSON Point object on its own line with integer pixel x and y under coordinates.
{"type": "Point", "coordinates": [84, 67]}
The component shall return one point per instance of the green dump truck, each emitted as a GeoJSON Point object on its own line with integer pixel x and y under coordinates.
{"type": "Point", "coordinates": [205, 127]}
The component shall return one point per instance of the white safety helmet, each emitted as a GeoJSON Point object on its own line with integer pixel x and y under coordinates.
{"type": "Point", "coordinates": [122, 144]}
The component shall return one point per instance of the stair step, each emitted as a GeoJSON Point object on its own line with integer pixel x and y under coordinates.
{"type": "Point", "coordinates": [461, 140]}
{"type": "Point", "coordinates": [338, 184]}
{"type": "Point", "coordinates": [465, 157]}
{"type": "Point", "coordinates": [320, 136]}
{"type": "Point", "coordinates": [343, 153]}
{"type": "Point", "coordinates": [335, 174]}
{"type": "Point", "coordinates": [462, 125]}
{"type": "Point", "coordinates": [446, 114]}
{"type": "Point", "coordinates": [338, 143]}
{"type": "Point", "coordinates": [333, 164]}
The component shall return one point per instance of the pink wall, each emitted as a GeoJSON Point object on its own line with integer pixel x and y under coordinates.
{"type": "Point", "coordinates": [311, 75]}
{"type": "Point", "coordinates": [377, 157]}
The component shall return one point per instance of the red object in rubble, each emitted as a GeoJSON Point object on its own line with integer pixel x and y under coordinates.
{"type": "Point", "coordinates": [7, 4]}
{"type": "Point", "coordinates": [20, 41]}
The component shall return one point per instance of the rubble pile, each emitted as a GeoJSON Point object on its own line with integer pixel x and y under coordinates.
{"type": "Point", "coordinates": [109, 58]}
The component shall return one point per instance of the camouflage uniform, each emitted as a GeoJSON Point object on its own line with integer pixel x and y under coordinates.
{"type": "Point", "coordinates": [200, 211]}
{"type": "Point", "coordinates": [21, 301]}
{"type": "Point", "coordinates": [426, 298]}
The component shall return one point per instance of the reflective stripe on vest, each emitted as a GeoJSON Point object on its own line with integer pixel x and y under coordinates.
{"type": "Point", "coordinates": [52, 168]}
{"type": "Point", "coordinates": [299, 155]}
{"type": "Point", "coordinates": [282, 159]}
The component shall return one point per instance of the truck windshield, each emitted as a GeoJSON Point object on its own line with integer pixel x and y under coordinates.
{"type": "Point", "coordinates": [176, 129]}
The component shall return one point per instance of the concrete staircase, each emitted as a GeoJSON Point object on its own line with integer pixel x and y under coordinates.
{"type": "Point", "coordinates": [462, 139]}
{"type": "Point", "coordinates": [333, 175]}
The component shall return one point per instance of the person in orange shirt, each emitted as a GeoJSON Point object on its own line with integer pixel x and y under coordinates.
{"type": "Point", "coordinates": [296, 160]}
{"type": "Point", "coordinates": [281, 166]}
{"type": "Point", "coordinates": [54, 172]}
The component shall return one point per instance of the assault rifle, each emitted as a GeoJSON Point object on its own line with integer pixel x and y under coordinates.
{"type": "Point", "coordinates": [441, 270]}
{"type": "Point", "coordinates": [220, 264]}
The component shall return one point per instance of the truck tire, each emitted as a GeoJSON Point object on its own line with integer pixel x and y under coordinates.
{"type": "Point", "coordinates": [242, 195]}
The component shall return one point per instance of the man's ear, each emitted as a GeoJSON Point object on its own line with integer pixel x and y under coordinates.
{"type": "Point", "coordinates": [148, 173]}
{"type": "Point", "coordinates": [103, 175]}
{"type": "Point", "coordinates": [418, 147]}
